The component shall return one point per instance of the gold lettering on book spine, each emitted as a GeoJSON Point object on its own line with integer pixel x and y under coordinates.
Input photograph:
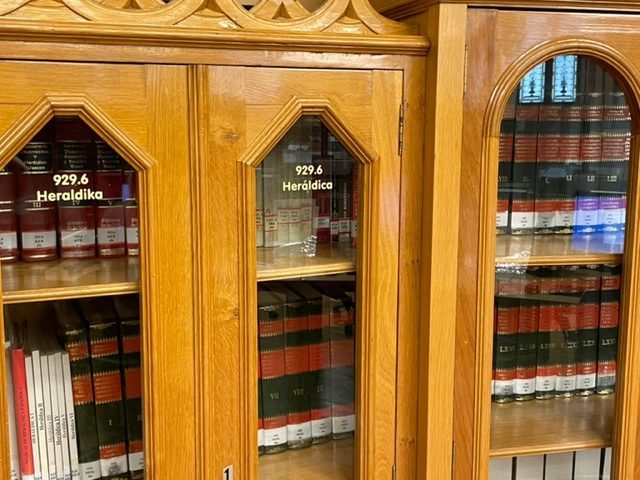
{"type": "Point", "coordinates": [354, 17]}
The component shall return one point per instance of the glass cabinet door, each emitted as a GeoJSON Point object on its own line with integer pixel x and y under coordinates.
{"type": "Point", "coordinates": [563, 172]}
{"type": "Point", "coordinates": [76, 363]}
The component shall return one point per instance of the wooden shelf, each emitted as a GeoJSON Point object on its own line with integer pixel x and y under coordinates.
{"type": "Point", "coordinates": [57, 280]}
{"type": "Point", "coordinates": [279, 263]}
{"type": "Point", "coordinates": [327, 461]}
{"type": "Point", "coordinates": [559, 249]}
{"type": "Point", "coordinates": [551, 426]}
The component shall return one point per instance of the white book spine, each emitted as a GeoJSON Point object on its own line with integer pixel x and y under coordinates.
{"type": "Point", "coordinates": [531, 468]}
{"type": "Point", "coordinates": [500, 468]}
{"type": "Point", "coordinates": [66, 462]}
{"type": "Point", "coordinates": [40, 414]}
{"type": "Point", "coordinates": [48, 415]}
{"type": "Point", "coordinates": [71, 417]}
{"type": "Point", "coordinates": [57, 430]}
{"type": "Point", "coordinates": [587, 464]}
{"type": "Point", "coordinates": [558, 466]}
{"type": "Point", "coordinates": [14, 459]}
{"type": "Point", "coordinates": [31, 395]}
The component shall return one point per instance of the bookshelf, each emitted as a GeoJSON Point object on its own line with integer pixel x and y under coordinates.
{"type": "Point", "coordinates": [278, 264]}
{"type": "Point", "coordinates": [523, 429]}
{"type": "Point", "coordinates": [328, 461]}
{"type": "Point", "coordinates": [57, 280]}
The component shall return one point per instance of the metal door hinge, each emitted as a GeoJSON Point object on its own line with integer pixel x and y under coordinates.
{"type": "Point", "coordinates": [401, 129]}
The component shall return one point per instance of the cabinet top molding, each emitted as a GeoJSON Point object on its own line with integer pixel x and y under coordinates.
{"type": "Point", "coordinates": [399, 9]}
{"type": "Point", "coordinates": [347, 25]}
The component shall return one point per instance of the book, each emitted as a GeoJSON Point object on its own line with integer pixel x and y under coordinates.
{"type": "Point", "coordinates": [322, 200]}
{"type": "Point", "coordinates": [72, 437]}
{"type": "Point", "coordinates": [33, 423]}
{"type": "Point", "coordinates": [568, 314]}
{"type": "Point", "coordinates": [128, 312]}
{"type": "Point", "coordinates": [21, 405]}
{"type": "Point", "coordinates": [110, 210]}
{"type": "Point", "coordinates": [104, 354]}
{"type": "Point", "coordinates": [52, 357]}
{"type": "Point", "coordinates": [608, 329]}
{"type": "Point", "coordinates": [130, 198]}
{"type": "Point", "coordinates": [36, 213]}
{"type": "Point", "coordinates": [272, 367]}
{"type": "Point", "coordinates": [505, 165]}
{"type": "Point", "coordinates": [76, 343]}
{"type": "Point", "coordinates": [549, 170]}
{"type": "Point", "coordinates": [76, 164]}
{"type": "Point", "coordinates": [9, 251]}
{"type": "Point", "coordinates": [342, 348]}
{"type": "Point", "coordinates": [14, 458]}
{"type": "Point", "coordinates": [547, 363]}
{"type": "Point", "coordinates": [50, 433]}
{"type": "Point", "coordinates": [588, 322]}
{"type": "Point", "coordinates": [259, 208]}
{"type": "Point", "coordinates": [527, 338]}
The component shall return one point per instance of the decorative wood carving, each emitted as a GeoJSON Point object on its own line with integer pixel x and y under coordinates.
{"type": "Point", "coordinates": [355, 17]}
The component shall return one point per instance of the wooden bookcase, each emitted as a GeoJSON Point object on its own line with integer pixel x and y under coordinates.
{"type": "Point", "coordinates": [482, 51]}
{"type": "Point", "coordinates": [195, 94]}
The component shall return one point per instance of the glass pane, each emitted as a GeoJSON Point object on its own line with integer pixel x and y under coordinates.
{"type": "Point", "coordinates": [562, 189]}
{"type": "Point", "coordinates": [69, 227]}
{"type": "Point", "coordinates": [306, 237]}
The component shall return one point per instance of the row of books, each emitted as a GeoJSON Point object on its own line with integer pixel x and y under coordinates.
{"type": "Point", "coordinates": [67, 194]}
{"type": "Point", "coordinates": [307, 363]}
{"type": "Point", "coordinates": [555, 332]}
{"type": "Point", "coordinates": [307, 190]}
{"type": "Point", "coordinates": [563, 167]}
{"type": "Point", "coordinates": [75, 407]}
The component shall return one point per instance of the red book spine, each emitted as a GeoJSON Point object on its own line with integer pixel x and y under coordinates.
{"type": "Point", "coordinates": [76, 218]}
{"type": "Point", "coordinates": [546, 188]}
{"type": "Point", "coordinates": [322, 201]}
{"type": "Point", "coordinates": [36, 208]}
{"type": "Point", "coordinates": [320, 369]}
{"type": "Point", "coordinates": [8, 220]}
{"type": "Point", "coordinates": [21, 403]}
{"type": "Point", "coordinates": [568, 320]}
{"type": "Point", "coordinates": [342, 369]}
{"type": "Point", "coordinates": [110, 210]}
{"type": "Point", "coordinates": [608, 329]}
{"type": "Point", "coordinates": [588, 321]}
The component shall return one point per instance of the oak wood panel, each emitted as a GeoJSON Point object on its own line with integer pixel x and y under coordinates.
{"type": "Point", "coordinates": [11, 113]}
{"type": "Point", "coordinates": [227, 414]}
{"type": "Point", "coordinates": [332, 460]}
{"type": "Point", "coordinates": [442, 179]}
{"type": "Point", "coordinates": [266, 86]}
{"type": "Point", "coordinates": [120, 89]}
{"type": "Point", "coordinates": [558, 249]}
{"type": "Point", "coordinates": [551, 426]}
{"type": "Point", "coordinates": [34, 281]}
{"type": "Point", "coordinates": [279, 264]}
{"type": "Point", "coordinates": [167, 280]}
{"type": "Point", "coordinates": [263, 114]}
{"type": "Point", "coordinates": [504, 45]}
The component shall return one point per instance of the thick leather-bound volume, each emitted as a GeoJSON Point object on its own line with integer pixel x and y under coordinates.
{"type": "Point", "coordinates": [128, 312]}
{"type": "Point", "coordinates": [75, 152]}
{"type": "Point", "coordinates": [548, 336]}
{"type": "Point", "coordinates": [272, 368]}
{"type": "Point", "coordinates": [342, 320]}
{"type": "Point", "coordinates": [608, 329]}
{"type": "Point", "coordinates": [36, 212]}
{"type": "Point", "coordinates": [105, 354]}
{"type": "Point", "coordinates": [9, 250]}
{"type": "Point", "coordinates": [21, 405]}
{"type": "Point", "coordinates": [322, 200]}
{"type": "Point", "coordinates": [76, 343]}
{"type": "Point", "coordinates": [548, 168]}
{"type": "Point", "coordinates": [568, 324]}
{"type": "Point", "coordinates": [528, 316]}
{"type": "Point", "coordinates": [109, 210]}
{"type": "Point", "coordinates": [524, 168]}
{"type": "Point", "coordinates": [505, 166]}
{"type": "Point", "coordinates": [505, 348]}
{"type": "Point", "coordinates": [588, 322]}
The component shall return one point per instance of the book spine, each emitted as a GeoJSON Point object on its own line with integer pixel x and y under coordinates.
{"type": "Point", "coordinates": [130, 338]}
{"type": "Point", "coordinates": [14, 456]}
{"type": "Point", "coordinates": [525, 384]}
{"type": "Point", "coordinates": [21, 404]}
{"type": "Point", "coordinates": [588, 321]}
{"type": "Point", "coordinates": [270, 185]}
{"type": "Point", "coordinates": [608, 329]}
{"type": "Point", "coordinates": [342, 369]}
{"type": "Point", "coordinates": [76, 218]}
{"type": "Point", "coordinates": [322, 201]}
{"type": "Point", "coordinates": [50, 434]}
{"type": "Point", "coordinates": [55, 411]}
{"type": "Point", "coordinates": [130, 196]}
{"type": "Point", "coordinates": [76, 344]}
{"type": "Point", "coordinates": [107, 390]}
{"type": "Point", "coordinates": [345, 206]}
{"type": "Point", "coordinates": [40, 413]}
{"type": "Point", "coordinates": [33, 415]}
{"type": "Point", "coordinates": [64, 433]}
{"type": "Point", "coordinates": [320, 368]}
{"type": "Point", "coordinates": [524, 169]}
{"type": "Point", "coordinates": [272, 383]}
{"type": "Point", "coordinates": [260, 412]}
{"type": "Point", "coordinates": [568, 322]}
{"type": "Point", "coordinates": [505, 166]}
{"type": "Point", "coordinates": [36, 214]}
{"type": "Point", "coordinates": [70, 417]}
{"type": "Point", "coordinates": [110, 210]}
{"type": "Point", "coordinates": [296, 331]}
{"type": "Point", "coordinates": [9, 251]}
{"type": "Point", "coordinates": [259, 208]}
{"type": "Point", "coordinates": [547, 180]}
{"type": "Point", "coordinates": [548, 337]}
{"type": "Point", "coordinates": [505, 348]}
